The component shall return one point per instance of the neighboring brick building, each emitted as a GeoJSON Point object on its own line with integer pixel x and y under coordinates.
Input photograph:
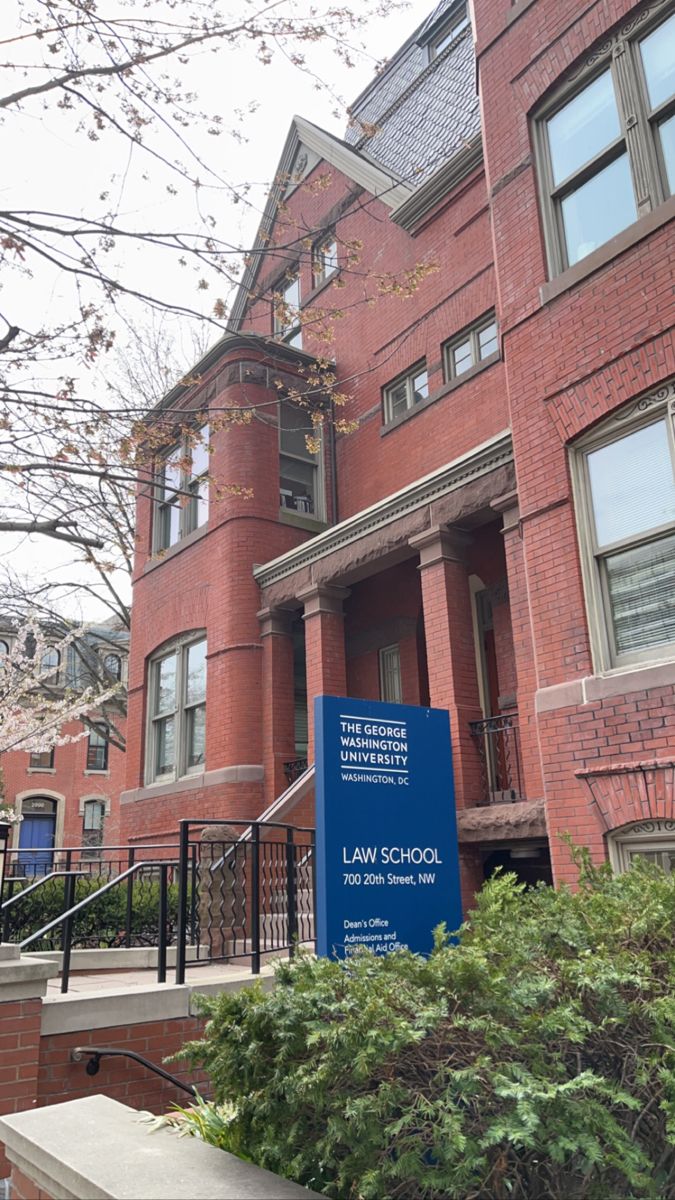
{"type": "Point", "coordinates": [69, 796]}
{"type": "Point", "coordinates": [496, 536]}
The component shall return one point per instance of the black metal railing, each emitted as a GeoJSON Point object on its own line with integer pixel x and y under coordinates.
{"type": "Point", "coordinates": [255, 886]}
{"type": "Point", "coordinates": [498, 744]}
{"type": "Point", "coordinates": [294, 768]}
{"type": "Point", "coordinates": [66, 920]}
{"type": "Point", "coordinates": [129, 917]}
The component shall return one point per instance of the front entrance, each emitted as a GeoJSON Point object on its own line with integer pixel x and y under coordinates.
{"type": "Point", "coordinates": [36, 835]}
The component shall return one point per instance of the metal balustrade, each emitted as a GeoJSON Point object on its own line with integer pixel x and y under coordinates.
{"type": "Point", "coordinates": [497, 741]}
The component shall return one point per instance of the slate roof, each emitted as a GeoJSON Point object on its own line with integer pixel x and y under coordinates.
{"type": "Point", "coordinates": [424, 111]}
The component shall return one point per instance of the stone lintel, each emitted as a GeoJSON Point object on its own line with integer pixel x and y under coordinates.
{"type": "Point", "coordinates": [275, 621]}
{"type": "Point", "coordinates": [323, 598]}
{"type": "Point", "coordinates": [439, 544]}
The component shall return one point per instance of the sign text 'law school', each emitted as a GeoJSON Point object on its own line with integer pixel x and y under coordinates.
{"type": "Point", "coordinates": [387, 867]}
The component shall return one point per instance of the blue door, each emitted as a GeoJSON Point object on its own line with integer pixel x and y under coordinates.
{"type": "Point", "coordinates": [36, 838]}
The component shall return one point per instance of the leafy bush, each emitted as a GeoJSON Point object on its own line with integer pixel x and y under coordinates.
{"type": "Point", "coordinates": [535, 1059]}
{"type": "Point", "coordinates": [102, 923]}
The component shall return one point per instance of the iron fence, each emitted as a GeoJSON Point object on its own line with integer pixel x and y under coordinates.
{"type": "Point", "coordinates": [254, 883]}
{"type": "Point", "coordinates": [498, 744]}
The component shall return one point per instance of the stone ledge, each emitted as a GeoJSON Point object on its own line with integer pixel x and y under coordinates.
{"type": "Point", "coordinates": [22, 978]}
{"type": "Point", "coordinates": [109, 1008]}
{"type": "Point", "coordinates": [97, 1149]}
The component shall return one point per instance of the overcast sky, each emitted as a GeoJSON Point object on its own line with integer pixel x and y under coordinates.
{"type": "Point", "coordinates": [56, 167]}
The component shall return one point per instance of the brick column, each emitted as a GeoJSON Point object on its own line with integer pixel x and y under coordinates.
{"type": "Point", "coordinates": [278, 700]}
{"type": "Point", "coordinates": [523, 646]}
{"type": "Point", "coordinates": [23, 983]}
{"type": "Point", "coordinates": [324, 647]}
{"type": "Point", "coordinates": [448, 631]}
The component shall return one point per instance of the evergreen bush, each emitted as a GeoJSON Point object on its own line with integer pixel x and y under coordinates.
{"type": "Point", "coordinates": [534, 1059]}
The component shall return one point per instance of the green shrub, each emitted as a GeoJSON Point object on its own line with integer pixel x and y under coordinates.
{"type": "Point", "coordinates": [102, 923]}
{"type": "Point", "coordinates": [535, 1059]}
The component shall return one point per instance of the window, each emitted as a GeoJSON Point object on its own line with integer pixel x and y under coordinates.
{"type": "Point", "coordinates": [41, 760]}
{"type": "Point", "coordinates": [473, 346]}
{"type": "Point", "coordinates": [177, 727]}
{"type": "Point", "coordinates": [608, 142]}
{"type": "Point", "coordinates": [299, 469]}
{"type": "Point", "coordinates": [653, 840]}
{"type": "Point", "coordinates": [390, 674]}
{"type": "Point", "coordinates": [458, 21]}
{"type": "Point", "coordinates": [182, 491]}
{"type": "Point", "coordinates": [286, 308]}
{"type": "Point", "coordinates": [113, 665]}
{"type": "Point", "coordinates": [324, 260]}
{"type": "Point", "coordinates": [625, 478]}
{"type": "Point", "coordinates": [405, 392]}
{"type": "Point", "coordinates": [4, 649]}
{"type": "Point", "coordinates": [49, 666]}
{"type": "Point", "coordinates": [97, 749]}
{"type": "Point", "coordinates": [93, 820]}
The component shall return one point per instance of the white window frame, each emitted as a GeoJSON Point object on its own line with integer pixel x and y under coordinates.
{"type": "Point", "coordinates": [324, 259]}
{"type": "Point", "coordinates": [408, 379]}
{"type": "Point", "coordinates": [642, 837]}
{"type": "Point", "coordinates": [471, 333]}
{"type": "Point", "coordinates": [643, 411]}
{"type": "Point", "coordinates": [186, 496]}
{"type": "Point", "coordinates": [286, 312]}
{"type": "Point", "coordinates": [181, 768]}
{"type": "Point", "coordinates": [389, 662]}
{"type": "Point", "coordinates": [638, 137]}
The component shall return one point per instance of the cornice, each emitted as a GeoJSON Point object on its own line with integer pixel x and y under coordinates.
{"type": "Point", "coordinates": [480, 461]}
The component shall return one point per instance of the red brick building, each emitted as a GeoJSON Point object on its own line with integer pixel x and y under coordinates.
{"type": "Point", "coordinates": [69, 796]}
{"type": "Point", "coordinates": [487, 258]}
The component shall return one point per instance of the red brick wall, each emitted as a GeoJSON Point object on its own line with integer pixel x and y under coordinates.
{"type": "Point", "coordinates": [19, 1050]}
{"type": "Point", "coordinates": [121, 1078]}
{"type": "Point", "coordinates": [569, 362]}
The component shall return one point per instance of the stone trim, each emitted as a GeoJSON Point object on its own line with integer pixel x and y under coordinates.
{"type": "Point", "coordinates": [243, 773]}
{"type": "Point", "coordinates": [22, 978]}
{"type": "Point", "coordinates": [605, 687]}
{"type": "Point", "coordinates": [323, 598]}
{"type": "Point", "coordinates": [495, 452]}
{"type": "Point", "coordinates": [275, 621]}
{"type": "Point", "coordinates": [440, 545]}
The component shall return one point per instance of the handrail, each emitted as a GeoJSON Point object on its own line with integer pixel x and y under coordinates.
{"type": "Point", "coordinates": [66, 918]}
{"type": "Point", "coordinates": [33, 886]}
{"type": "Point", "coordinates": [96, 1053]}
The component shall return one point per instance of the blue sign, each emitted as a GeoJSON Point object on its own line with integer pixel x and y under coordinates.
{"type": "Point", "coordinates": [387, 868]}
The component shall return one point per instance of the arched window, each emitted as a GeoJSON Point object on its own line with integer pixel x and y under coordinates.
{"type": "Point", "coordinates": [177, 726]}
{"type": "Point", "coordinates": [113, 665]}
{"type": "Point", "coordinates": [654, 840]}
{"type": "Point", "coordinates": [93, 819]}
{"type": "Point", "coordinates": [4, 649]}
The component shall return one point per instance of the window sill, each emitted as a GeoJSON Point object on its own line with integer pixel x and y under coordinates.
{"type": "Point", "coordinates": [41, 770]}
{"type": "Point", "coordinates": [620, 681]}
{"type": "Point", "coordinates": [604, 254]}
{"type": "Point", "coordinates": [288, 516]}
{"type": "Point", "coordinates": [105, 773]}
{"type": "Point", "coordinates": [440, 392]}
{"type": "Point", "coordinates": [162, 556]}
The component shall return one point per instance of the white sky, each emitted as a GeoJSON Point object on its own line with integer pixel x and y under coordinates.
{"type": "Point", "coordinates": [55, 167]}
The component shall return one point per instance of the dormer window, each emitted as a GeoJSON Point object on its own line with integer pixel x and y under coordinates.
{"type": "Point", "coordinates": [449, 30]}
